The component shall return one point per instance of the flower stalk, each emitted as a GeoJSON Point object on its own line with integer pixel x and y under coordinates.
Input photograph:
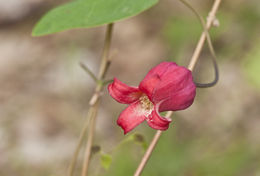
{"type": "Point", "coordinates": [90, 138]}
{"type": "Point", "coordinates": [191, 66]}
{"type": "Point", "coordinates": [94, 102]}
{"type": "Point", "coordinates": [94, 105]}
{"type": "Point", "coordinates": [211, 18]}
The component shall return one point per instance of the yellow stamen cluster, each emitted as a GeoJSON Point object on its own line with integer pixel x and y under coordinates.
{"type": "Point", "coordinates": [146, 103]}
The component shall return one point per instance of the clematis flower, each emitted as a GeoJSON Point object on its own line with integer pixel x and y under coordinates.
{"type": "Point", "coordinates": [166, 87]}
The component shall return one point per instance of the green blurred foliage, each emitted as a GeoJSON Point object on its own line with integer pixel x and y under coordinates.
{"type": "Point", "coordinates": [249, 17]}
{"type": "Point", "coordinates": [236, 32]}
{"type": "Point", "coordinates": [190, 156]}
{"type": "Point", "coordinates": [124, 159]}
{"type": "Point", "coordinates": [252, 65]}
{"type": "Point", "coordinates": [105, 160]}
{"type": "Point", "coordinates": [179, 32]}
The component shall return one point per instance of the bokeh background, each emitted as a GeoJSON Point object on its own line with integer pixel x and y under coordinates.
{"type": "Point", "coordinates": [44, 93]}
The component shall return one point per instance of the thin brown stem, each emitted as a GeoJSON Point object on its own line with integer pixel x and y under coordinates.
{"type": "Point", "coordinates": [94, 102]}
{"type": "Point", "coordinates": [203, 36]}
{"type": "Point", "coordinates": [191, 66]}
{"type": "Point", "coordinates": [148, 153]}
{"type": "Point", "coordinates": [105, 62]}
{"type": "Point", "coordinates": [150, 149]}
{"type": "Point", "coordinates": [91, 133]}
{"type": "Point", "coordinates": [88, 71]}
{"type": "Point", "coordinates": [81, 139]}
{"type": "Point", "coordinates": [210, 45]}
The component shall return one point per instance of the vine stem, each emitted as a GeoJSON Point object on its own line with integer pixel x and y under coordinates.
{"type": "Point", "coordinates": [192, 63]}
{"type": "Point", "coordinates": [90, 139]}
{"type": "Point", "coordinates": [81, 139]}
{"type": "Point", "coordinates": [210, 20]}
{"type": "Point", "coordinates": [94, 105]}
{"type": "Point", "coordinates": [94, 102]}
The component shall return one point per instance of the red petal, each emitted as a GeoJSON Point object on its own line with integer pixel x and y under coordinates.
{"type": "Point", "coordinates": [132, 116]}
{"type": "Point", "coordinates": [171, 85]}
{"type": "Point", "coordinates": [158, 122]}
{"type": "Point", "coordinates": [123, 93]}
{"type": "Point", "coordinates": [180, 100]}
{"type": "Point", "coordinates": [153, 78]}
{"type": "Point", "coordinates": [176, 91]}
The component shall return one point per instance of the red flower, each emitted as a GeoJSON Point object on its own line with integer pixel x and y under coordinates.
{"type": "Point", "coordinates": [166, 87]}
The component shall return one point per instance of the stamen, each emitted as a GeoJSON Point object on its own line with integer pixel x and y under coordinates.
{"type": "Point", "coordinates": [146, 105]}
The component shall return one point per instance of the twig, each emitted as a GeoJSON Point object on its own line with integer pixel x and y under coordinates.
{"type": "Point", "coordinates": [81, 139]}
{"type": "Point", "coordinates": [200, 44]}
{"type": "Point", "coordinates": [92, 125]}
{"type": "Point", "coordinates": [105, 62]}
{"type": "Point", "coordinates": [94, 104]}
{"type": "Point", "coordinates": [150, 149]}
{"type": "Point", "coordinates": [88, 71]}
{"type": "Point", "coordinates": [191, 66]}
{"type": "Point", "coordinates": [95, 98]}
{"type": "Point", "coordinates": [148, 153]}
{"type": "Point", "coordinates": [206, 27]}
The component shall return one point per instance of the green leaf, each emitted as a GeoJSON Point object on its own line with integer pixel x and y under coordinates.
{"type": "Point", "coordinates": [89, 13]}
{"type": "Point", "coordinates": [105, 160]}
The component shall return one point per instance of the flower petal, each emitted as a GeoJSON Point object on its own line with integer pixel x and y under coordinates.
{"type": "Point", "coordinates": [132, 116]}
{"type": "Point", "coordinates": [174, 88]}
{"type": "Point", "coordinates": [123, 93]}
{"type": "Point", "coordinates": [174, 79]}
{"type": "Point", "coordinates": [153, 78]}
{"type": "Point", "coordinates": [158, 122]}
{"type": "Point", "coordinates": [180, 100]}
{"type": "Point", "coordinates": [176, 91]}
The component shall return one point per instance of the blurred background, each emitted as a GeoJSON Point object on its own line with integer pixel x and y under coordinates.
{"type": "Point", "coordinates": [44, 93]}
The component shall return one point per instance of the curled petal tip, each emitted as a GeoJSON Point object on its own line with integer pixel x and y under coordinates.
{"type": "Point", "coordinates": [158, 122]}
{"type": "Point", "coordinates": [123, 93]}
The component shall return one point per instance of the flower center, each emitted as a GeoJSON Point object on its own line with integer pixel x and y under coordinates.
{"type": "Point", "coordinates": [146, 104]}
